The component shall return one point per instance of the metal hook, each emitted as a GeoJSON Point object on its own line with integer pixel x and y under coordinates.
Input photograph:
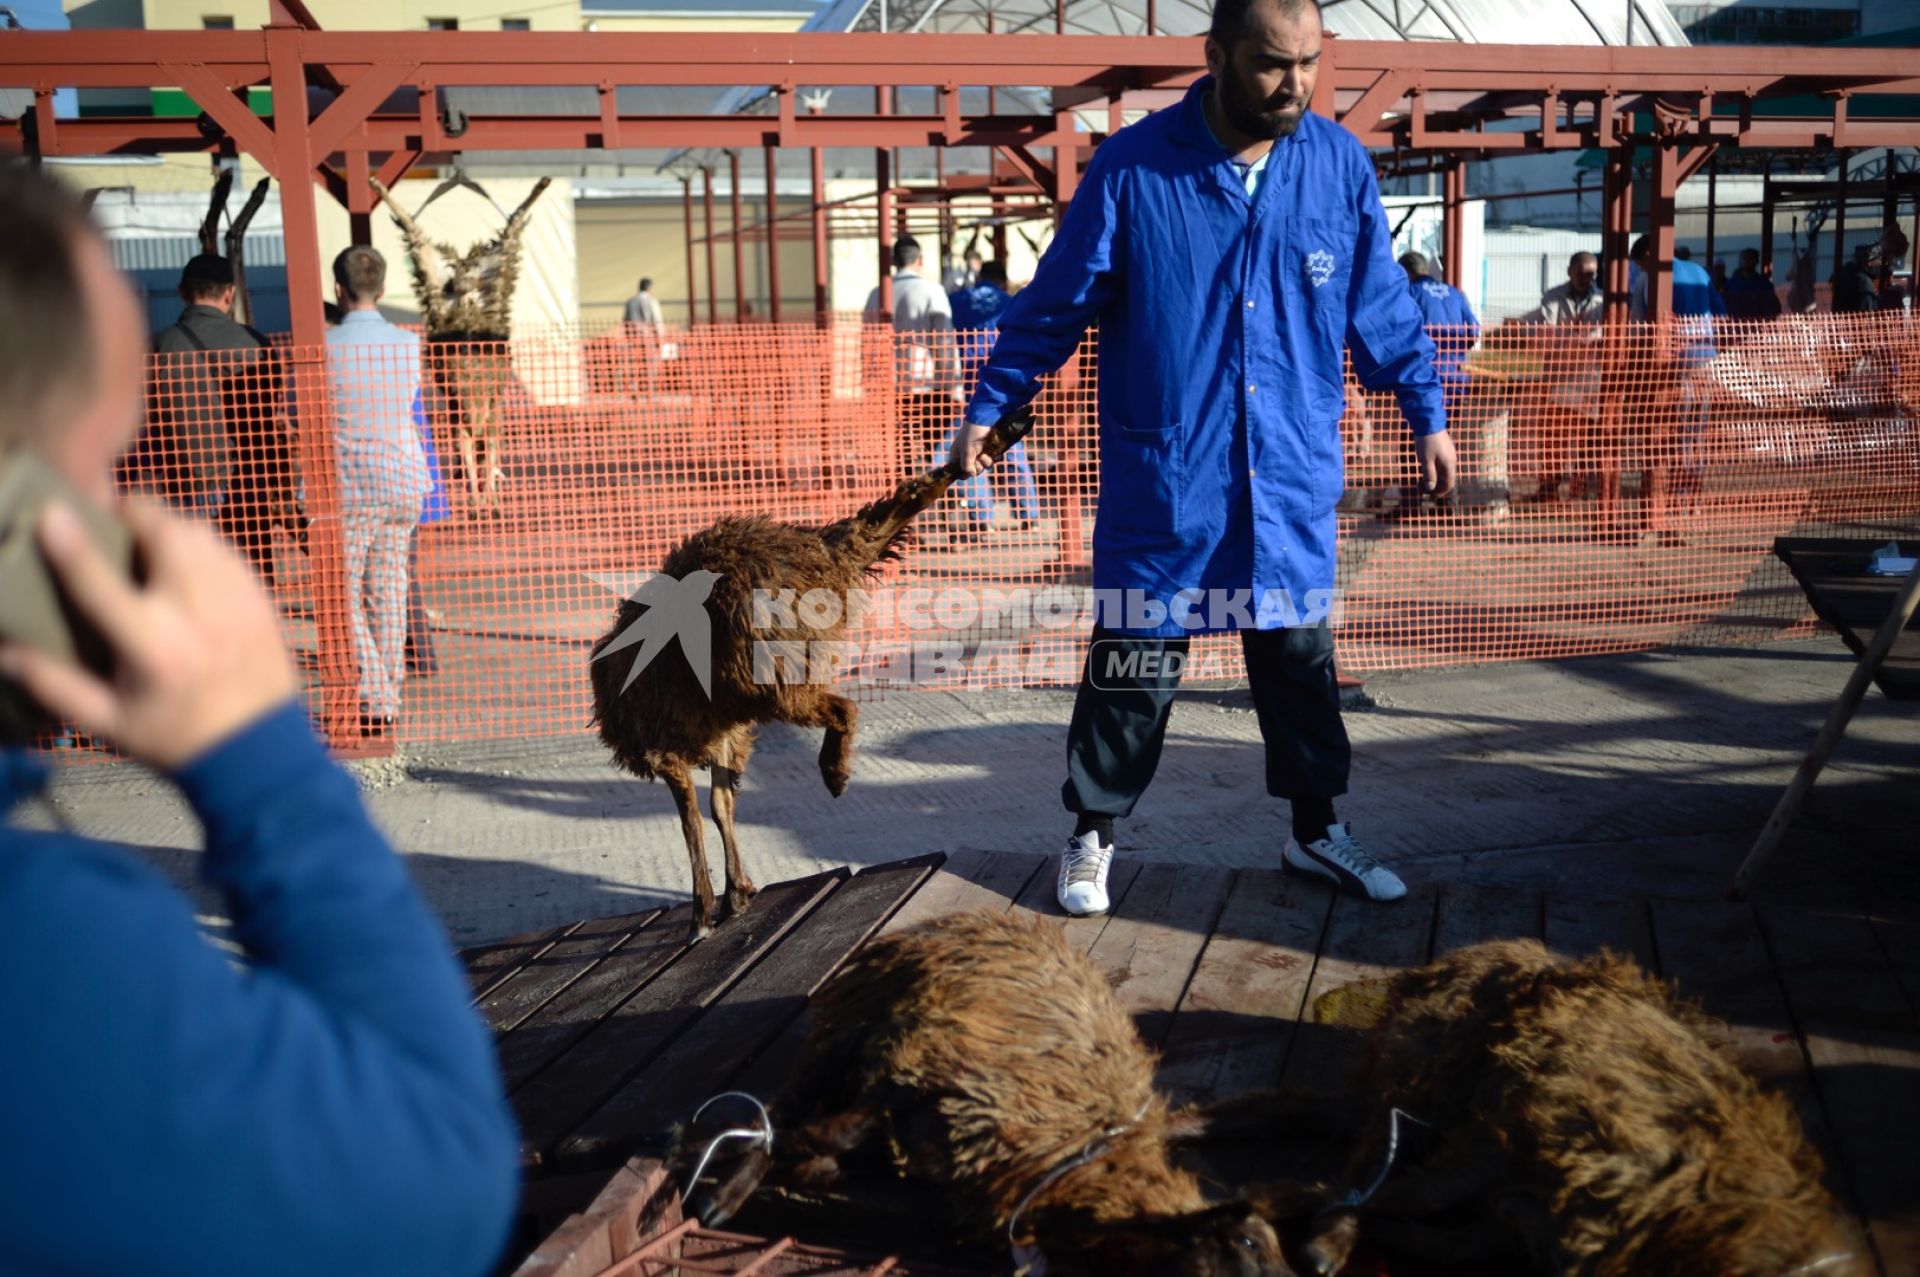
{"type": "Point", "coordinates": [762, 1136]}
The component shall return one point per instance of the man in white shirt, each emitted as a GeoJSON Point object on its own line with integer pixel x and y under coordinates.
{"type": "Point", "coordinates": [643, 319]}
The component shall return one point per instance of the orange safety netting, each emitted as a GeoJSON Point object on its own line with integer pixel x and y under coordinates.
{"type": "Point", "coordinates": [1621, 489]}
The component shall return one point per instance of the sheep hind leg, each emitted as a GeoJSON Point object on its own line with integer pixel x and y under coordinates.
{"type": "Point", "coordinates": [809, 1159]}
{"type": "Point", "coordinates": [680, 780]}
{"type": "Point", "coordinates": [730, 764]}
{"type": "Point", "coordinates": [838, 715]}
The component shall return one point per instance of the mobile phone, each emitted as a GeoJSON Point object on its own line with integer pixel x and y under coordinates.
{"type": "Point", "coordinates": [34, 607]}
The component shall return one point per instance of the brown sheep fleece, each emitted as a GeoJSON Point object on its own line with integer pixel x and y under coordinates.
{"type": "Point", "coordinates": [665, 726]}
{"type": "Point", "coordinates": [979, 1054]}
{"type": "Point", "coordinates": [1583, 1112]}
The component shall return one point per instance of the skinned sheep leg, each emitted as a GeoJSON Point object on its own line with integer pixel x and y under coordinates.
{"type": "Point", "coordinates": [729, 766]}
{"type": "Point", "coordinates": [679, 779]}
{"type": "Point", "coordinates": [469, 467]}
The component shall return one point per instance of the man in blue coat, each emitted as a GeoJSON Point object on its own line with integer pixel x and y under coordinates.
{"type": "Point", "coordinates": [318, 1100]}
{"type": "Point", "coordinates": [976, 317]}
{"type": "Point", "coordinates": [1228, 248]}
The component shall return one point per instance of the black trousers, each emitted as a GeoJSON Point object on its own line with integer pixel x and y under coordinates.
{"type": "Point", "coordinates": [1126, 694]}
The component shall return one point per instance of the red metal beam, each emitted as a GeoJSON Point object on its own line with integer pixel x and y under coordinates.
{"type": "Point", "coordinates": [706, 212]}
{"type": "Point", "coordinates": [773, 240]}
{"type": "Point", "coordinates": [1666, 184]}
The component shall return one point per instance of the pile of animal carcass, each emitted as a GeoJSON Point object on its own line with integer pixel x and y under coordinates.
{"type": "Point", "coordinates": [1573, 1117]}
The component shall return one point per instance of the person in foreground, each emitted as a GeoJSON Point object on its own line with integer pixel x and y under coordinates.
{"type": "Point", "coordinates": [328, 1104]}
{"type": "Point", "coordinates": [1228, 247]}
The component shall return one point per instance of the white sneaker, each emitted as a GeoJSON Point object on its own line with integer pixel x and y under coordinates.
{"type": "Point", "coordinates": [1339, 857]}
{"type": "Point", "coordinates": [1082, 888]}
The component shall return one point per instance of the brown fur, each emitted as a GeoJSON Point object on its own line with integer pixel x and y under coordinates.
{"type": "Point", "coordinates": [978, 1054]}
{"type": "Point", "coordinates": [664, 726]}
{"type": "Point", "coordinates": [1582, 1116]}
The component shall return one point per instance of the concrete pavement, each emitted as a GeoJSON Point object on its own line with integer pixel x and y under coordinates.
{"type": "Point", "coordinates": [1603, 776]}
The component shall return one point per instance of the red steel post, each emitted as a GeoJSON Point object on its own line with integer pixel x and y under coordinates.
{"type": "Point", "coordinates": [1660, 213]}
{"type": "Point", "coordinates": [339, 694]}
{"type": "Point", "coordinates": [713, 281]}
{"type": "Point", "coordinates": [739, 248]}
{"type": "Point", "coordinates": [883, 222]}
{"type": "Point", "coordinates": [1840, 212]}
{"type": "Point", "coordinates": [693, 284]}
{"type": "Point", "coordinates": [1713, 191]}
{"type": "Point", "coordinates": [773, 238]}
{"type": "Point", "coordinates": [821, 304]}
{"type": "Point", "coordinates": [1453, 229]}
{"type": "Point", "coordinates": [1617, 228]}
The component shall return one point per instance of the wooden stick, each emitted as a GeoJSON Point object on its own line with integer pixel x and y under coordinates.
{"type": "Point", "coordinates": [1829, 738]}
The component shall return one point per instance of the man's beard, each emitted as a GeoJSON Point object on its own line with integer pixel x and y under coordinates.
{"type": "Point", "coordinates": [1251, 116]}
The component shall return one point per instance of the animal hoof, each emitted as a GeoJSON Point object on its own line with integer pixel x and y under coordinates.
{"type": "Point", "coordinates": [739, 899]}
{"type": "Point", "coordinates": [698, 932]}
{"type": "Point", "coordinates": [836, 782]}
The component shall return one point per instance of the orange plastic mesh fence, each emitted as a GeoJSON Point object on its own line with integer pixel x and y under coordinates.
{"type": "Point", "coordinates": [1620, 490]}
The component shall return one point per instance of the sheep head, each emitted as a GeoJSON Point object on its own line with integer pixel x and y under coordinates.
{"type": "Point", "coordinates": [1231, 1240]}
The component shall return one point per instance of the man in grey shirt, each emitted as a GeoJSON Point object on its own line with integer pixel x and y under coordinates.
{"type": "Point", "coordinates": [643, 307]}
{"type": "Point", "coordinates": [926, 358]}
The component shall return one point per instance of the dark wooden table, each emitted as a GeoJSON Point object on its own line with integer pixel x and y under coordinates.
{"type": "Point", "coordinates": [612, 1030]}
{"type": "Point", "coordinates": [1833, 572]}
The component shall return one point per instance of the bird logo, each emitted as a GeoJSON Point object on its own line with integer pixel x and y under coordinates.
{"type": "Point", "coordinates": [675, 608]}
{"type": "Point", "coordinates": [1319, 266]}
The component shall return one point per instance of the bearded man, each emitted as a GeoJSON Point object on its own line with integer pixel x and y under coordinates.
{"type": "Point", "coordinates": [1228, 247]}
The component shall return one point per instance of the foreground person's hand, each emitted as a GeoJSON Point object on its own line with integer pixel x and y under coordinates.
{"type": "Point", "coordinates": [966, 456]}
{"type": "Point", "coordinates": [197, 648]}
{"type": "Point", "coordinates": [1438, 462]}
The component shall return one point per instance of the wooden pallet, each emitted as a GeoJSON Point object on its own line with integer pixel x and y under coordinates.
{"type": "Point", "coordinates": [612, 1030]}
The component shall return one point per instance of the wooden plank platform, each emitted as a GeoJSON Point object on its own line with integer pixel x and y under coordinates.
{"type": "Point", "coordinates": [612, 1030]}
{"type": "Point", "coordinates": [1833, 574]}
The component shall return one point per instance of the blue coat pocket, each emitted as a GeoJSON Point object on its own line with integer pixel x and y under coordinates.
{"type": "Point", "coordinates": [1142, 479]}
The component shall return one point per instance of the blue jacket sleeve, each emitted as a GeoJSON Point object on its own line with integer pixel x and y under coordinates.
{"type": "Point", "coordinates": [1390, 347]}
{"type": "Point", "coordinates": [1077, 277]}
{"type": "Point", "coordinates": [331, 1106]}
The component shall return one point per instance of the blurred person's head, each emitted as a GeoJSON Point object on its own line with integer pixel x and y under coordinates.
{"type": "Point", "coordinates": [207, 280]}
{"type": "Point", "coordinates": [646, 285]}
{"type": "Point", "coordinates": [359, 277]}
{"type": "Point", "coordinates": [1641, 254]}
{"type": "Point", "coordinates": [1683, 254]}
{"type": "Point", "coordinates": [975, 260]}
{"type": "Point", "coordinates": [1749, 261]}
{"type": "Point", "coordinates": [1582, 269]}
{"type": "Point", "coordinates": [72, 370]}
{"type": "Point", "coordinates": [1264, 56]}
{"type": "Point", "coordinates": [1415, 264]}
{"type": "Point", "coordinates": [906, 253]}
{"type": "Point", "coordinates": [994, 272]}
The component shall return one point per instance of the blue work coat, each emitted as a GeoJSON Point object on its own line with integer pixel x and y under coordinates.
{"type": "Point", "coordinates": [1221, 322]}
{"type": "Point", "coordinates": [1447, 309]}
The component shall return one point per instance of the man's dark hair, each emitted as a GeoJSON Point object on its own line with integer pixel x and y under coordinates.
{"type": "Point", "coordinates": [993, 272]}
{"type": "Point", "coordinates": [1231, 18]}
{"type": "Point", "coordinates": [645, 284]}
{"type": "Point", "coordinates": [1415, 264]}
{"type": "Point", "coordinates": [204, 278]}
{"type": "Point", "coordinates": [1583, 256]}
{"type": "Point", "coordinates": [1683, 254]}
{"type": "Point", "coordinates": [47, 361]}
{"type": "Point", "coordinates": [906, 251]}
{"type": "Point", "coordinates": [362, 271]}
{"type": "Point", "coordinates": [1642, 247]}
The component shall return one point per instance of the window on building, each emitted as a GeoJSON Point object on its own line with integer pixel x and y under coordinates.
{"type": "Point", "coordinates": [516, 24]}
{"type": "Point", "coordinates": [216, 22]}
{"type": "Point", "coordinates": [443, 24]}
{"type": "Point", "coordinates": [1764, 24]}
